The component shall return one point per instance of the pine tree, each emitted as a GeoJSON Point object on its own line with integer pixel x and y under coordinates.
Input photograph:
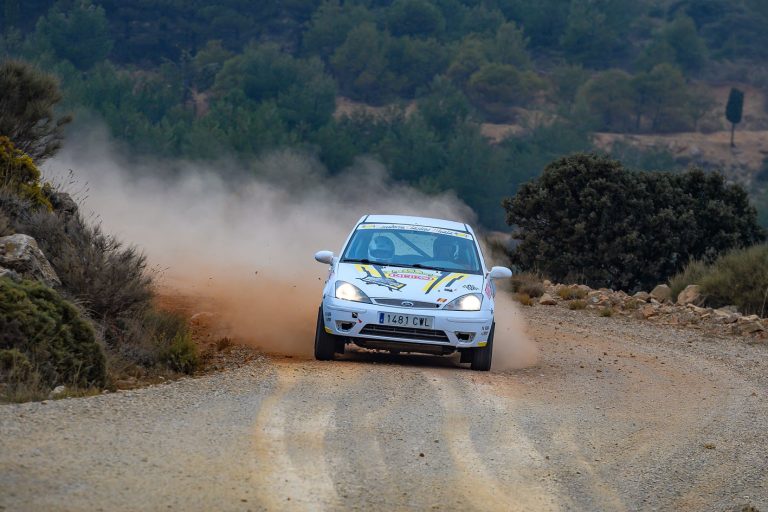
{"type": "Point", "coordinates": [734, 109]}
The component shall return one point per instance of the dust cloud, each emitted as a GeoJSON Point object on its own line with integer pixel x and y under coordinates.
{"type": "Point", "coordinates": [240, 242]}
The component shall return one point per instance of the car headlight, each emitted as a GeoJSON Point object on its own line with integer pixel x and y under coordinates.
{"type": "Point", "coordinates": [348, 291]}
{"type": "Point", "coordinates": [469, 302]}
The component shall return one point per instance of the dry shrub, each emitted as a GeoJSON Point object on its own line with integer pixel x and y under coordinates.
{"type": "Point", "coordinates": [740, 278]}
{"type": "Point", "coordinates": [571, 292]}
{"type": "Point", "coordinates": [5, 225]}
{"type": "Point", "coordinates": [606, 312]}
{"type": "Point", "coordinates": [524, 299]}
{"type": "Point", "coordinates": [528, 283]}
{"type": "Point", "coordinates": [577, 304]}
{"type": "Point", "coordinates": [691, 274]}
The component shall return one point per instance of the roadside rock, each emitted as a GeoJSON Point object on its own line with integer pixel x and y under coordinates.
{"type": "Point", "coordinates": [643, 296]}
{"type": "Point", "coordinates": [547, 300]}
{"type": "Point", "coordinates": [691, 295]}
{"type": "Point", "coordinates": [662, 293]}
{"type": "Point", "coordinates": [748, 327]}
{"type": "Point", "coordinates": [21, 254]}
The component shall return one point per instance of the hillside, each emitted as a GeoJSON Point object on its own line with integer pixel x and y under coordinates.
{"type": "Point", "coordinates": [202, 80]}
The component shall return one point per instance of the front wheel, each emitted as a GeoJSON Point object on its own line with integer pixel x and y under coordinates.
{"type": "Point", "coordinates": [325, 343]}
{"type": "Point", "coordinates": [481, 357]}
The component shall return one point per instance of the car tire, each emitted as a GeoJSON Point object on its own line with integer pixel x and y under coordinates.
{"type": "Point", "coordinates": [481, 357]}
{"type": "Point", "coordinates": [325, 344]}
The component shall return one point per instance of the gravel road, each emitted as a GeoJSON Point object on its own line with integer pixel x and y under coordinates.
{"type": "Point", "coordinates": [619, 414]}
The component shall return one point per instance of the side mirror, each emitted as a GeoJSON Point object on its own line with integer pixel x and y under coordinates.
{"type": "Point", "coordinates": [500, 273]}
{"type": "Point", "coordinates": [325, 257]}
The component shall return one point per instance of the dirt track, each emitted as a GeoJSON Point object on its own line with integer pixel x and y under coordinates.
{"type": "Point", "coordinates": [618, 415]}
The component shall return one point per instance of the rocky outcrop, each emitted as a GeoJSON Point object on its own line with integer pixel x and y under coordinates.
{"type": "Point", "coordinates": [20, 254]}
{"type": "Point", "coordinates": [657, 307]}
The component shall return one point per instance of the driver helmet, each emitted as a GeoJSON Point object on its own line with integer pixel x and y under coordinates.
{"type": "Point", "coordinates": [381, 248]}
{"type": "Point", "coordinates": [445, 249]}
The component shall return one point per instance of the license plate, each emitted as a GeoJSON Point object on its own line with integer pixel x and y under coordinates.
{"type": "Point", "coordinates": [400, 320]}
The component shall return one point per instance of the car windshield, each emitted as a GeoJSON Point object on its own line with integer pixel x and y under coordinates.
{"type": "Point", "coordinates": [413, 246]}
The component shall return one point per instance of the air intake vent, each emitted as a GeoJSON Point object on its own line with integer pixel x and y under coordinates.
{"type": "Point", "coordinates": [400, 303]}
{"type": "Point", "coordinates": [405, 333]}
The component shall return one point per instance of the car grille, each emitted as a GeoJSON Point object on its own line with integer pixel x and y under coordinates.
{"type": "Point", "coordinates": [405, 333]}
{"type": "Point", "coordinates": [399, 303]}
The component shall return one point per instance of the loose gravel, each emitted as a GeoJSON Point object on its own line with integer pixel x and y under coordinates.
{"type": "Point", "coordinates": [619, 414]}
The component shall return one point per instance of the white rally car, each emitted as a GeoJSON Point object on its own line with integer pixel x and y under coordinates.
{"type": "Point", "coordinates": [409, 284]}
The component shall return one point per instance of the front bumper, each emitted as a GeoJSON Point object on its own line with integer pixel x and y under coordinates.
{"type": "Point", "coordinates": [457, 329]}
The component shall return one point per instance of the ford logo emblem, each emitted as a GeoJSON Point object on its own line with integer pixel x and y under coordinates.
{"type": "Point", "coordinates": [407, 304]}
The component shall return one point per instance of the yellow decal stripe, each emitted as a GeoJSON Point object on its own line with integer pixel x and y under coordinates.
{"type": "Point", "coordinates": [438, 283]}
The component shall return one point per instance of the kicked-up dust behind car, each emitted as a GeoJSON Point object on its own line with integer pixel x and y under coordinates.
{"type": "Point", "coordinates": [242, 241]}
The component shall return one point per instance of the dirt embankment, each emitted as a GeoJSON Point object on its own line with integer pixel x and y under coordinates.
{"type": "Point", "coordinates": [618, 414]}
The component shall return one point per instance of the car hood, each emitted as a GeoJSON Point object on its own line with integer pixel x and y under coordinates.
{"type": "Point", "coordinates": [409, 284]}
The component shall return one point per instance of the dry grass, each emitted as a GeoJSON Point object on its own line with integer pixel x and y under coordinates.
{"type": "Point", "coordinates": [571, 292]}
{"type": "Point", "coordinates": [606, 312]}
{"type": "Point", "coordinates": [524, 299]}
{"type": "Point", "coordinates": [577, 305]}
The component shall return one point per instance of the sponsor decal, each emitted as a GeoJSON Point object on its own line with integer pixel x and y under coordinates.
{"type": "Point", "coordinates": [407, 275]}
{"type": "Point", "coordinates": [490, 289]}
{"type": "Point", "coordinates": [442, 300]}
{"type": "Point", "coordinates": [411, 227]}
{"type": "Point", "coordinates": [374, 275]}
{"type": "Point", "coordinates": [470, 287]}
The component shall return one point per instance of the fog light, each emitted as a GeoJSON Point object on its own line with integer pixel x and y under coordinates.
{"type": "Point", "coordinates": [344, 326]}
{"type": "Point", "coordinates": [465, 337]}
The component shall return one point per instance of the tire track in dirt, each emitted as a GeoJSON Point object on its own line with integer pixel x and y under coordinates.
{"type": "Point", "coordinates": [289, 448]}
{"type": "Point", "coordinates": [519, 489]}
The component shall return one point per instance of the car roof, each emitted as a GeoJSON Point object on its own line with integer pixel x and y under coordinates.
{"type": "Point", "coordinates": [416, 221]}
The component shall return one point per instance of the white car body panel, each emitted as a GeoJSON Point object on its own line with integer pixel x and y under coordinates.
{"type": "Point", "coordinates": [410, 291]}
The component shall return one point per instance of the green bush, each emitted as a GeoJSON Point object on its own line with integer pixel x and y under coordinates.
{"type": "Point", "coordinates": [44, 338]}
{"type": "Point", "coordinates": [739, 278]}
{"type": "Point", "coordinates": [174, 341]}
{"type": "Point", "coordinates": [19, 173]}
{"type": "Point", "coordinates": [588, 219]}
